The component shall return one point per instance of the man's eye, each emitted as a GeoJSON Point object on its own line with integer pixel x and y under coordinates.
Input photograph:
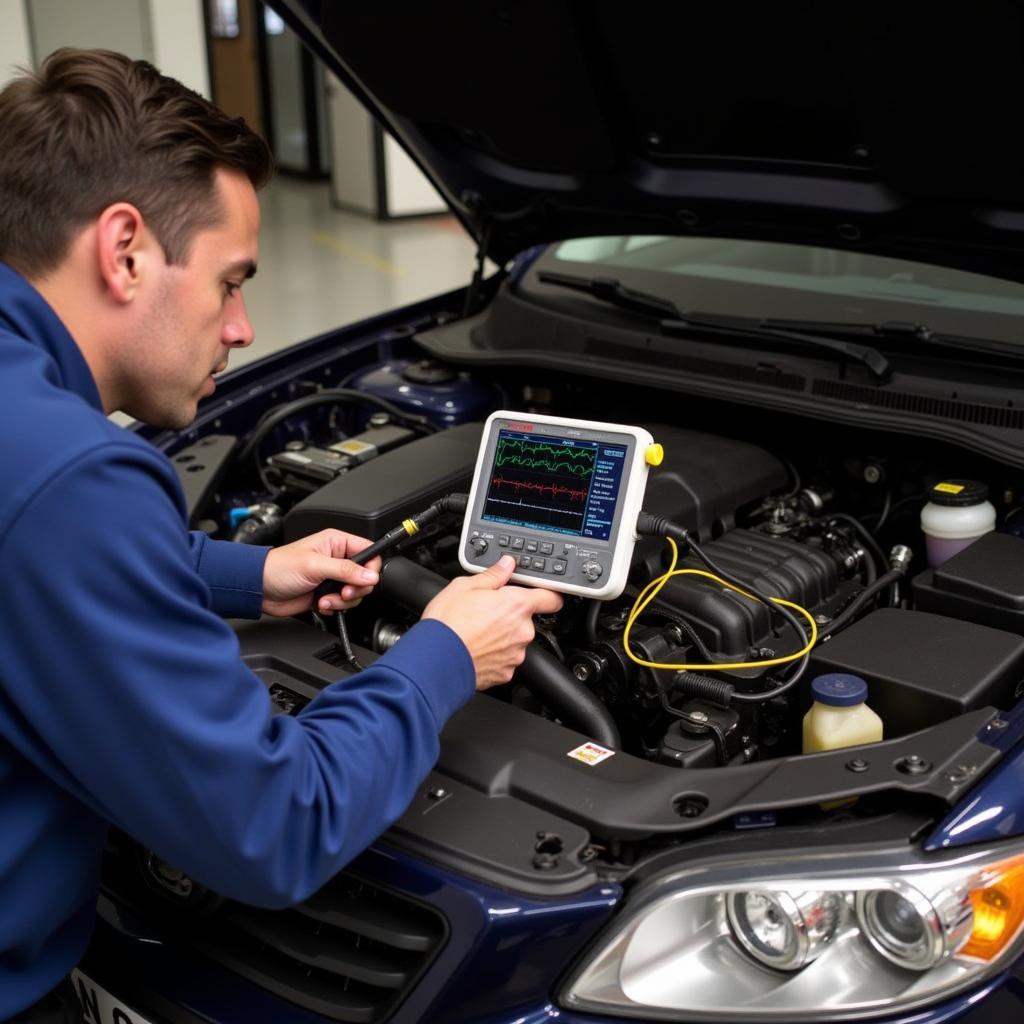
{"type": "Point", "coordinates": [231, 289]}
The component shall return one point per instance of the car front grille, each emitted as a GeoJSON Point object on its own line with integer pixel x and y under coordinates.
{"type": "Point", "coordinates": [352, 952]}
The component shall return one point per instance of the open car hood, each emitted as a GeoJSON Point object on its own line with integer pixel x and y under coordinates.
{"type": "Point", "coordinates": [894, 129]}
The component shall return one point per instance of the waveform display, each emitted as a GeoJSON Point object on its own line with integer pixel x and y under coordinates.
{"type": "Point", "coordinates": [573, 494]}
{"type": "Point", "coordinates": [540, 482]}
{"type": "Point", "coordinates": [544, 458]}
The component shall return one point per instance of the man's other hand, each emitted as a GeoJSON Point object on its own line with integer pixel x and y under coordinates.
{"type": "Point", "coordinates": [493, 620]}
{"type": "Point", "coordinates": [292, 572]}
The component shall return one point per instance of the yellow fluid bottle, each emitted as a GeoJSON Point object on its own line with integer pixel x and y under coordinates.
{"type": "Point", "coordinates": [839, 716]}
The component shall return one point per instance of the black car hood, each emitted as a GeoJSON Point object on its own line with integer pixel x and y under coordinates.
{"type": "Point", "coordinates": [894, 128]}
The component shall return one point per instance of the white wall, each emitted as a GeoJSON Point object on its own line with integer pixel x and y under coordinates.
{"type": "Point", "coordinates": [15, 48]}
{"type": "Point", "coordinates": [179, 42]}
{"type": "Point", "coordinates": [170, 33]}
{"type": "Point", "coordinates": [121, 25]}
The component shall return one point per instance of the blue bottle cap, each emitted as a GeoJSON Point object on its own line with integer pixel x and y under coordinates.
{"type": "Point", "coordinates": [839, 690]}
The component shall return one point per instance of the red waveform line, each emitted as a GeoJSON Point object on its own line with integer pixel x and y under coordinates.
{"type": "Point", "coordinates": [528, 485]}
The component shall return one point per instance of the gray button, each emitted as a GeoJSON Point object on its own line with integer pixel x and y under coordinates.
{"type": "Point", "coordinates": [531, 545]}
{"type": "Point", "coordinates": [540, 564]}
{"type": "Point", "coordinates": [592, 570]}
{"type": "Point", "coordinates": [558, 568]}
{"type": "Point", "coordinates": [524, 561]}
{"type": "Point", "coordinates": [517, 543]}
{"type": "Point", "coordinates": [547, 549]}
{"type": "Point", "coordinates": [503, 541]}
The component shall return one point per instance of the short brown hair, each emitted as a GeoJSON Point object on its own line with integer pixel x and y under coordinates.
{"type": "Point", "coordinates": [93, 128]}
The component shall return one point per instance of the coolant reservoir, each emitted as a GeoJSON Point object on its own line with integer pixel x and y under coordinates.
{"type": "Point", "coordinates": [839, 717]}
{"type": "Point", "coordinates": [958, 512]}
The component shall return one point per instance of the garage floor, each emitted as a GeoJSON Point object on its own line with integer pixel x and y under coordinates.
{"type": "Point", "coordinates": [320, 268]}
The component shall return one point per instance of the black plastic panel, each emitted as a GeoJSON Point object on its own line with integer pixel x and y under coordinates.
{"type": "Point", "coordinates": [923, 668]}
{"type": "Point", "coordinates": [371, 499]}
{"type": "Point", "coordinates": [983, 583]}
{"type": "Point", "coordinates": [517, 778]}
{"type": "Point", "coordinates": [200, 468]}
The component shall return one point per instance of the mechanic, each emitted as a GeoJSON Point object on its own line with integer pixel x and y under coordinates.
{"type": "Point", "coordinates": [128, 224]}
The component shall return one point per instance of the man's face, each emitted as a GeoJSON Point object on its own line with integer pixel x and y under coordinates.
{"type": "Point", "coordinates": [194, 313]}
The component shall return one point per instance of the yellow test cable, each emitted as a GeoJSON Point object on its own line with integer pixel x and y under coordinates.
{"type": "Point", "coordinates": [651, 591]}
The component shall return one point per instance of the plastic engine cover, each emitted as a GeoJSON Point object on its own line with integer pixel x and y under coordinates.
{"type": "Point", "coordinates": [731, 624]}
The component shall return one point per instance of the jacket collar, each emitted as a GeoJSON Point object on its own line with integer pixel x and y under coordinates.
{"type": "Point", "coordinates": [26, 313]}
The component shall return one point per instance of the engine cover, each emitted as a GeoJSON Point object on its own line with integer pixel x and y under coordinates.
{"type": "Point", "coordinates": [731, 625]}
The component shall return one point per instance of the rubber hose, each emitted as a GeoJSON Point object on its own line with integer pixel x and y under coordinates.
{"type": "Point", "coordinates": [412, 586]}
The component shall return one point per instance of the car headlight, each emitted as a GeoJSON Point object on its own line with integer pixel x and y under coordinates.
{"type": "Point", "coordinates": [822, 937]}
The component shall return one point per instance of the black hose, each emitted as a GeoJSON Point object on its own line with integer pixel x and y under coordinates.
{"type": "Point", "coordinates": [590, 622]}
{"type": "Point", "coordinates": [329, 396]}
{"type": "Point", "coordinates": [693, 684]}
{"type": "Point", "coordinates": [867, 594]}
{"type": "Point", "coordinates": [413, 587]}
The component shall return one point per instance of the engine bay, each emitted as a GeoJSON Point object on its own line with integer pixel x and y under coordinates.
{"type": "Point", "coordinates": [822, 522]}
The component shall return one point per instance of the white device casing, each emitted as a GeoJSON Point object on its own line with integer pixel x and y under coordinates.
{"type": "Point", "coordinates": [631, 496]}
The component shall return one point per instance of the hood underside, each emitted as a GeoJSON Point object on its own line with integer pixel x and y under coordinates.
{"type": "Point", "coordinates": [893, 129]}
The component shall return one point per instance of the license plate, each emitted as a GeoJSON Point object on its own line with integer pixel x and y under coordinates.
{"type": "Point", "coordinates": [100, 1007]}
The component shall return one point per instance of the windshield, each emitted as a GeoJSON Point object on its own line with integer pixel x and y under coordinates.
{"type": "Point", "coordinates": [767, 279]}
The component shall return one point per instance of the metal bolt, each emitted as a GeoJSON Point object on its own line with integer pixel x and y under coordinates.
{"type": "Point", "coordinates": [872, 473]}
{"type": "Point", "coordinates": [822, 620]}
{"type": "Point", "coordinates": [436, 794]}
{"type": "Point", "coordinates": [698, 716]}
{"type": "Point", "coordinates": [998, 723]}
{"type": "Point", "coordinates": [582, 671]}
{"type": "Point", "coordinates": [857, 764]}
{"type": "Point", "coordinates": [545, 861]}
{"type": "Point", "coordinates": [913, 764]}
{"type": "Point", "coordinates": [654, 139]}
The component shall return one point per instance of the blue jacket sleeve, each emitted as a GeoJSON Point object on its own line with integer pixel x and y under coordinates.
{"type": "Point", "coordinates": [132, 696]}
{"type": "Point", "coordinates": [233, 572]}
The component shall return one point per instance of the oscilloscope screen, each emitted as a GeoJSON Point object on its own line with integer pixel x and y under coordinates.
{"type": "Point", "coordinates": [554, 484]}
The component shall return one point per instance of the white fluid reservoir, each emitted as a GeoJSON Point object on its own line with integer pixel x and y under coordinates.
{"type": "Point", "coordinates": [839, 716]}
{"type": "Point", "coordinates": [958, 513]}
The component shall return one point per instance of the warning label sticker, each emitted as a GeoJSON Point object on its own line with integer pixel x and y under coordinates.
{"type": "Point", "coordinates": [591, 753]}
{"type": "Point", "coordinates": [949, 488]}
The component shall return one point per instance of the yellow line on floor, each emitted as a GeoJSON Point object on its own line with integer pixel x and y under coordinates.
{"type": "Point", "coordinates": [356, 252]}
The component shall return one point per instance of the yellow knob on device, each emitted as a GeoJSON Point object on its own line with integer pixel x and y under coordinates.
{"type": "Point", "coordinates": [654, 454]}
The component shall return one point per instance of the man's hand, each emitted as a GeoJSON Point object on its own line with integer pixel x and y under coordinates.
{"type": "Point", "coordinates": [292, 572]}
{"type": "Point", "coordinates": [493, 620]}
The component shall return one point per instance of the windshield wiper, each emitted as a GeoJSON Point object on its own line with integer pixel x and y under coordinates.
{"type": "Point", "coordinates": [900, 330]}
{"type": "Point", "coordinates": [672, 320]}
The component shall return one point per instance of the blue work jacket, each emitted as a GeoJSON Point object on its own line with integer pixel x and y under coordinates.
{"type": "Point", "coordinates": [122, 695]}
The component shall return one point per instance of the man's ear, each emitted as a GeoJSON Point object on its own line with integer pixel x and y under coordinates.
{"type": "Point", "coordinates": [124, 248]}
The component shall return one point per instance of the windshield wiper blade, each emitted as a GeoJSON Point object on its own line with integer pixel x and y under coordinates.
{"type": "Point", "coordinates": [673, 320]}
{"type": "Point", "coordinates": [614, 292]}
{"type": "Point", "coordinates": [898, 330]}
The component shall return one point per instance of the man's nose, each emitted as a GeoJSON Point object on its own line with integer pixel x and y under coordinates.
{"type": "Point", "coordinates": [238, 331]}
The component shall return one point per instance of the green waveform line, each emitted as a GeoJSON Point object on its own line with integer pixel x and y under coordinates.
{"type": "Point", "coordinates": [560, 458]}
